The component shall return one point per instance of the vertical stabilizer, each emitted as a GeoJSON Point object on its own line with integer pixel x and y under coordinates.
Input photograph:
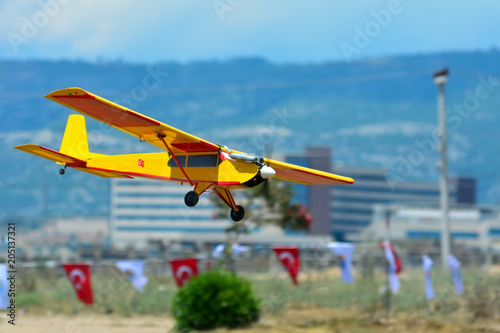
{"type": "Point", "coordinates": [75, 141]}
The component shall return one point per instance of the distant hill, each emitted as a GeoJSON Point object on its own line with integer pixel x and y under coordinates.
{"type": "Point", "coordinates": [375, 112]}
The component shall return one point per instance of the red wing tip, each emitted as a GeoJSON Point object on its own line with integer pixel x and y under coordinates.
{"type": "Point", "coordinates": [348, 181]}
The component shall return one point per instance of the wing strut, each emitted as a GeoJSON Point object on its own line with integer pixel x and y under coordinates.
{"type": "Point", "coordinates": [175, 158]}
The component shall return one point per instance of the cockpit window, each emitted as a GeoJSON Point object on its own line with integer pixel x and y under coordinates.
{"type": "Point", "coordinates": [195, 161]}
{"type": "Point", "coordinates": [180, 158]}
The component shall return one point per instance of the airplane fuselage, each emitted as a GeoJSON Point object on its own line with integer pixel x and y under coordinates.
{"type": "Point", "coordinates": [214, 168]}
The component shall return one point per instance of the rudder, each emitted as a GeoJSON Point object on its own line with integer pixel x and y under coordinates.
{"type": "Point", "coordinates": [75, 142]}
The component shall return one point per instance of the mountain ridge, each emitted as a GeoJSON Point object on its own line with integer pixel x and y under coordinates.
{"type": "Point", "coordinates": [372, 112]}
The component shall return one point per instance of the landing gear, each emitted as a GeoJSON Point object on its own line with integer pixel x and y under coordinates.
{"type": "Point", "coordinates": [238, 215]}
{"type": "Point", "coordinates": [237, 212]}
{"type": "Point", "coordinates": [62, 171]}
{"type": "Point", "coordinates": [191, 198]}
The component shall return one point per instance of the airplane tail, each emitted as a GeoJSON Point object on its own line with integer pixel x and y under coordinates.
{"type": "Point", "coordinates": [74, 150]}
{"type": "Point", "coordinates": [74, 147]}
{"type": "Point", "coordinates": [75, 142]}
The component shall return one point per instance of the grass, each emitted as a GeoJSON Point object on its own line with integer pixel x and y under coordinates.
{"type": "Point", "coordinates": [41, 293]}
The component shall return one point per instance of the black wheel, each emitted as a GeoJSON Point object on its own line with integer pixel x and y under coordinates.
{"type": "Point", "coordinates": [191, 198]}
{"type": "Point", "coordinates": [62, 171]}
{"type": "Point", "coordinates": [238, 215]}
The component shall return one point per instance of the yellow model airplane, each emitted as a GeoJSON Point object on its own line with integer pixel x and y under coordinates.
{"type": "Point", "coordinates": [191, 160]}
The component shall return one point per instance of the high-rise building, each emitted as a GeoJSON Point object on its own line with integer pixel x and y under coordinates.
{"type": "Point", "coordinates": [316, 197]}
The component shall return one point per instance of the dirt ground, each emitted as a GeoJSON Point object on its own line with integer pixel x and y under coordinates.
{"type": "Point", "coordinates": [291, 321]}
{"type": "Point", "coordinates": [86, 324]}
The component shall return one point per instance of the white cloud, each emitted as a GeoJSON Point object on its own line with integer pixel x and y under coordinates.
{"type": "Point", "coordinates": [42, 137]}
{"type": "Point", "coordinates": [388, 128]}
{"type": "Point", "coordinates": [251, 131]}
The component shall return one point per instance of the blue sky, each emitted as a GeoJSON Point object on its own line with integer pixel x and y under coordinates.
{"type": "Point", "coordinates": [281, 31]}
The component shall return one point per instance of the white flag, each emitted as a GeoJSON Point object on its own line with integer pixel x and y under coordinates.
{"type": "Point", "coordinates": [237, 249]}
{"type": "Point", "coordinates": [4, 287]}
{"type": "Point", "coordinates": [135, 272]}
{"type": "Point", "coordinates": [393, 277]}
{"type": "Point", "coordinates": [454, 265]}
{"type": "Point", "coordinates": [429, 290]}
{"type": "Point", "coordinates": [344, 252]}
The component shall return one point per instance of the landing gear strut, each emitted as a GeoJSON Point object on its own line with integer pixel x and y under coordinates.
{"type": "Point", "coordinates": [237, 212]}
{"type": "Point", "coordinates": [191, 198]}
{"type": "Point", "coordinates": [238, 215]}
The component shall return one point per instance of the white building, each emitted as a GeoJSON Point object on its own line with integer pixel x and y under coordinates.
{"type": "Point", "coordinates": [144, 211]}
{"type": "Point", "coordinates": [352, 205]}
{"type": "Point", "coordinates": [473, 227]}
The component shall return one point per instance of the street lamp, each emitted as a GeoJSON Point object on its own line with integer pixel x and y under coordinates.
{"type": "Point", "coordinates": [440, 78]}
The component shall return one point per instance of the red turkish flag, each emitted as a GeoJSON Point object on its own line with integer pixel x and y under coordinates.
{"type": "Point", "coordinates": [289, 257]}
{"type": "Point", "coordinates": [140, 163]}
{"type": "Point", "coordinates": [79, 276]}
{"type": "Point", "coordinates": [183, 270]}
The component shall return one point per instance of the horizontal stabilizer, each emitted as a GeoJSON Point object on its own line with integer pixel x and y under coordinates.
{"type": "Point", "coordinates": [68, 161]}
{"type": "Point", "coordinates": [51, 155]}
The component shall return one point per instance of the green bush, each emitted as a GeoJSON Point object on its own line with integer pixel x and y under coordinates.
{"type": "Point", "coordinates": [215, 299]}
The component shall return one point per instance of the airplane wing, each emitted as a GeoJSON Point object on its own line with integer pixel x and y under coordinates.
{"type": "Point", "coordinates": [131, 122]}
{"type": "Point", "coordinates": [307, 176]}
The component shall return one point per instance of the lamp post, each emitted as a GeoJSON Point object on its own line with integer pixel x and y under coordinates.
{"type": "Point", "coordinates": [440, 79]}
{"type": "Point", "coordinates": [387, 299]}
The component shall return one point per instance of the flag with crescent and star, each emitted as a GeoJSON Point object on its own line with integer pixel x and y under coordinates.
{"type": "Point", "coordinates": [289, 257]}
{"type": "Point", "coordinates": [79, 276]}
{"type": "Point", "coordinates": [183, 270]}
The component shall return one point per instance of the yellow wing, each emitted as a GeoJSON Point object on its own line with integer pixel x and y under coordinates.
{"type": "Point", "coordinates": [307, 176]}
{"type": "Point", "coordinates": [145, 128]}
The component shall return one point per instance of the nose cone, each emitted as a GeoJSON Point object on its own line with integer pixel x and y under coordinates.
{"type": "Point", "coordinates": [267, 172]}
